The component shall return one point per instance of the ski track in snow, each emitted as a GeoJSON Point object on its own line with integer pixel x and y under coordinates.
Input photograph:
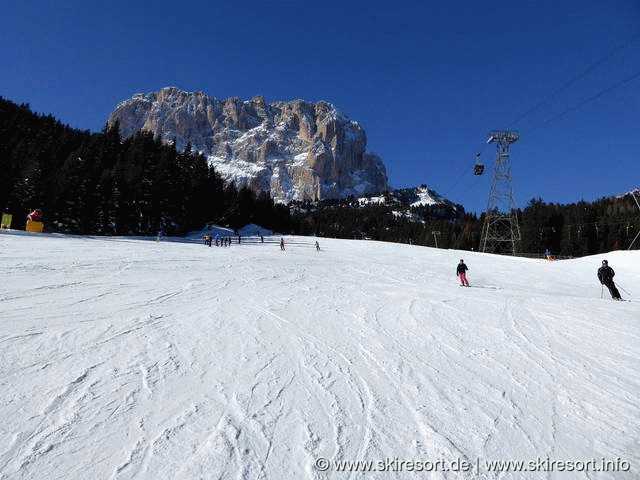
{"type": "Point", "coordinates": [129, 359]}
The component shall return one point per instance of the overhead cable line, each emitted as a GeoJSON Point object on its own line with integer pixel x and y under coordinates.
{"type": "Point", "coordinates": [584, 102]}
{"type": "Point", "coordinates": [578, 77]}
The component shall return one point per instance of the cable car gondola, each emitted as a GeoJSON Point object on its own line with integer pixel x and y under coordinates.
{"type": "Point", "coordinates": [478, 167]}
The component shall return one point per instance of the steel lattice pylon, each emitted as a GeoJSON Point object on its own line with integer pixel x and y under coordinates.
{"type": "Point", "coordinates": [500, 230]}
{"type": "Point", "coordinates": [633, 194]}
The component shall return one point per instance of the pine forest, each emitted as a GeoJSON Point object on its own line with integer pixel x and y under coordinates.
{"type": "Point", "coordinates": [101, 184]}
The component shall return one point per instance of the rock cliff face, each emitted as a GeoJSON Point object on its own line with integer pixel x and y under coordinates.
{"type": "Point", "coordinates": [294, 150]}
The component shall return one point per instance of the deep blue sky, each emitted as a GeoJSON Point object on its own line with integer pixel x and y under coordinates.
{"type": "Point", "coordinates": [426, 80]}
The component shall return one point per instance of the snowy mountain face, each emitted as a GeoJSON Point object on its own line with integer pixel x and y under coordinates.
{"type": "Point", "coordinates": [406, 203]}
{"type": "Point", "coordinates": [294, 150]}
{"type": "Point", "coordinates": [425, 197]}
{"type": "Point", "coordinates": [124, 358]}
{"type": "Point", "coordinates": [635, 193]}
{"type": "Point", "coordinates": [407, 197]}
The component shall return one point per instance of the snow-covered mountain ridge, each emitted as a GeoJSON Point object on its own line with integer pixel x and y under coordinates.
{"type": "Point", "coordinates": [403, 202]}
{"type": "Point", "coordinates": [406, 197]}
{"type": "Point", "coordinates": [295, 150]}
{"type": "Point", "coordinates": [402, 199]}
{"type": "Point", "coordinates": [634, 193]}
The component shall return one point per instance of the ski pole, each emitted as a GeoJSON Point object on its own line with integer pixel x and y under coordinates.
{"type": "Point", "coordinates": [602, 290]}
{"type": "Point", "coordinates": [622, 289]}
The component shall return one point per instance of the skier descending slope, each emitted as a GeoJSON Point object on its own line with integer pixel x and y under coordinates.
{"type": "Point", "coordinates": [461, 272]}
{"type": "Point", "coordinates": [605, 275]}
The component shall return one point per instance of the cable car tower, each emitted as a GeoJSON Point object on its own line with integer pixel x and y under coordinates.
{"type": "Point", "coordinates": [633, 194]}
{"type": "Point", "coordinates": [500, 229]}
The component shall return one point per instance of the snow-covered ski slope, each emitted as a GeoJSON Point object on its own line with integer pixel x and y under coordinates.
{"type": "Point", "coordinates": [124, 359]}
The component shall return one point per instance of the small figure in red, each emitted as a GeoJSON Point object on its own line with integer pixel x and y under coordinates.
{"type": "Point", "coordinates": [35, 216]}
{"type": "Point", "coordinates": [461, 271]}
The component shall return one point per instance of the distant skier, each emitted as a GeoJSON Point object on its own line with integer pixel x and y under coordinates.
{"type": "Point", "coordinates": [35, 215]}
{"type": "Point", "coordinates": [605, 275]}
{"type": "Point", "coordinates": [317, 246]}
{"type": "Point", "coordinates": [548, 255]}
{"type": "Point", "coordinates": [461, 272]}
{"type": "Point", "coordinates": [282, 243]}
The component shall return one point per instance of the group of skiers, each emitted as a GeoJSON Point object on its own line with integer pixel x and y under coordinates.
{"type": "Point", "coordinates": [219, 241]}
{"type": "Point", "coordinates": [224, 241]}
{"type": "Point", "coordinates": [605, 275]}
{"type": "Point", "coordinates": [605, 272]}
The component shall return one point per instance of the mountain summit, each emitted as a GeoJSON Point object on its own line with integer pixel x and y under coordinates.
{"type": "Point", "coordinates": [294, 150]}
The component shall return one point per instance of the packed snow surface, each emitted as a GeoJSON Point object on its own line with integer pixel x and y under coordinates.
{"type": "Point", "coordinates": [124, 358]}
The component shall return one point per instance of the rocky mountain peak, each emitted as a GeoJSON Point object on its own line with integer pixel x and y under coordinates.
{"type": "Point", "coordinates": [295, 150]}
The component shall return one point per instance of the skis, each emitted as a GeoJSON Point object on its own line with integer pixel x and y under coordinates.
{"type": "Point", "coordinates": [489, 287]}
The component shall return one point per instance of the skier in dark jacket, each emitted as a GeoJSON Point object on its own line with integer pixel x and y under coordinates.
{"type": "Point", "coordinates": [461, 272]}
{"type": "Point", "coordinates": [605, 275]}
